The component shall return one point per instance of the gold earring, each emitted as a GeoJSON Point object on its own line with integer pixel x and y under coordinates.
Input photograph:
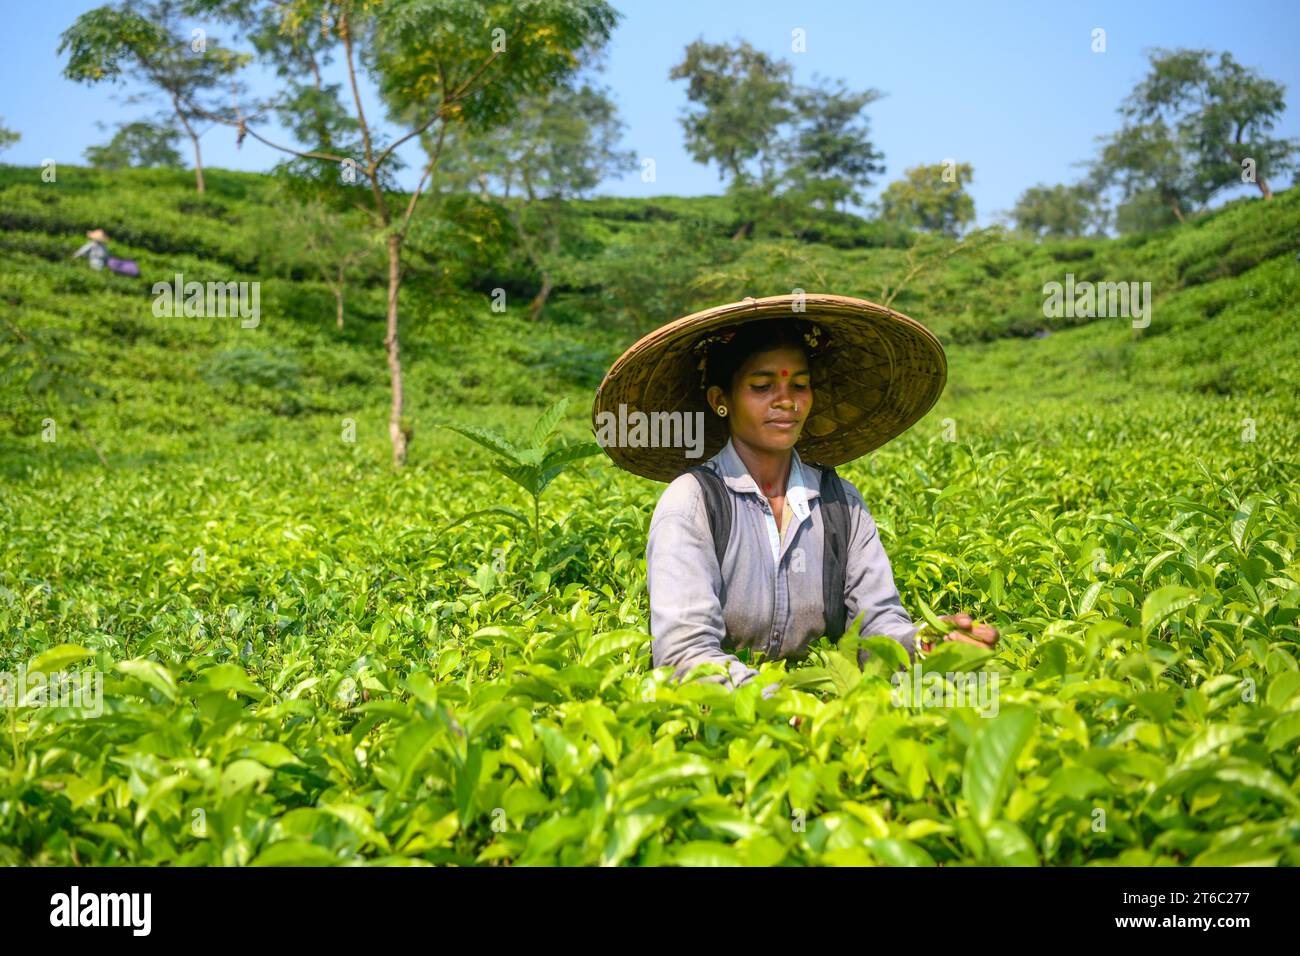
{"type": "Point", "coordinates": [722, 410]}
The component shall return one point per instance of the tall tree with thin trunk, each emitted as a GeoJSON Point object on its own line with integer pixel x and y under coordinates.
{"type": "Point", "coordinates": [830, 155]}
{"type": "Point", "coordinates": [436, 63]}
{"type": "Point", "coordinates": [145, 42]}
{"type": "Point", "coordinates": [336, 244]}
{"type": "Point", "coordinates": [741, 98]}
{"type": "Point", "coordinates": [784, 147]}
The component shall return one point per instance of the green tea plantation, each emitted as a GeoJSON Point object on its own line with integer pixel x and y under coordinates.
{"type": "Point", "coordinates": [309, 657]}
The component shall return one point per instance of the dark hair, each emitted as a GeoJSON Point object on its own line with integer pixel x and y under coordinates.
{"type": "Point", "coordinates": [730, 351]}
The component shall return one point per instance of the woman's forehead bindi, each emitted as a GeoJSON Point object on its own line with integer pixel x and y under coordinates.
{"type": "Point", "coordinates": [784, 370]}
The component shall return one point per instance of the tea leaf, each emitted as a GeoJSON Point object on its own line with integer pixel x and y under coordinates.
{"type": "Point", "coordinates": [991, 761]}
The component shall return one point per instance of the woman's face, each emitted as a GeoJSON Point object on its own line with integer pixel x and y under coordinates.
{"type": "Point", "coordinates": [761, 409]}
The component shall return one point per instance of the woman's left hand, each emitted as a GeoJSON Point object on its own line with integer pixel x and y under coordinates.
{"type": "Point", "coordinates": [965, 630]}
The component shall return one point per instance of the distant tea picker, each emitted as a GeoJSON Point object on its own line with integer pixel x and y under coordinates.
{"type": "Point", "coordinates": [758, 548]}
{"type": "Point", "coordinates": [96, 253]}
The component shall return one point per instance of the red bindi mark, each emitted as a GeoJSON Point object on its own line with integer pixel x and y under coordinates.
{"type": "Point", "coordinates": [784, 373]}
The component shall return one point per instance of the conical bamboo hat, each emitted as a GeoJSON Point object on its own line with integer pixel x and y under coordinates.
{"type": "Point", "coordinates": [875, 373]}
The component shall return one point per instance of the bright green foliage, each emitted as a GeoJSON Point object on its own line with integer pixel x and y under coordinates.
{"type": "Point", "coordinates": [144, 42]}
{"type": "Point", "coordinates": [137, 144]}
{"type": "Point", "coordinates": [8, 137]}
{"type": "Point", "coordinates": [335, 682]}
{"type": "Point", "coordinates": [1058, 212]}
{"type": "Point", "coordinates": [301, 665]}
{"type": "Point", "coordinates": [533, 466]}
{"type": "Point", "coordinates": [1193, 128]}
{"type": "Point", "coordinates": [931, 198]}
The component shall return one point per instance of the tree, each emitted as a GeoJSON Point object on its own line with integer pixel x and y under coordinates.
{"type": "Point", "coordinates": [1059, 212]}
{"type": "Point", "coordinates": [339, 247]}
{"type": "Point", "coordinates": [830, 156]}
{"type": "Point", "coordinates": [1150, 164]}
{"type": "Point", "coordinates": [1144, 211]}
{"type": "Point", "coordinates": [1190, 130]}
{"type": "Point", "coordinates": [137, 144]}
{"type": "Point", "coordinates": [784, 147]}
{"type": "Point", "coordinates": [143, 40]}
{"type": "Point", "coordinates": [743, 98]}
{"type": "Point", "coordinates": [931, 198]}
{"type": "Point", "coordinates": [311, 109]}
{"type": "Point", "coordinates": [436, 64]}
{"type": "Point", "coordinates": [7, 136]}
{"type": "Point", "coordinates": [337, 252]}
{"type": "Point", "coordinates": [1222, 112]}
{"type": "Point", "coordinates": [561, 146]}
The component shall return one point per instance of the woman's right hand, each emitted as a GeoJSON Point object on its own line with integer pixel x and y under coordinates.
{"type": "Point", "coordinates": [965, 630]}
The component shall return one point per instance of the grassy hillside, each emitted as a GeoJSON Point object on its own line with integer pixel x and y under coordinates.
{"type": "Point", "coordinates": [294, 646]}
{"type": "Point", "coordinates": [1224, 288]}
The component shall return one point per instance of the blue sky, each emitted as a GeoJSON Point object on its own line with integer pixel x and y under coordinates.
{"type": "Point", "coordinates": [1011, 87]}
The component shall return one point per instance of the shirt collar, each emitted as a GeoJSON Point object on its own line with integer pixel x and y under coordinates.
{"type": "Point", "coordinates": [801, 486]}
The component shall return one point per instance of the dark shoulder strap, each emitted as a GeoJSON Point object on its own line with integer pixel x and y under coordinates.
{"type": "Point", "coordinates": [717, 502]}
{"type": "Point", "coordinates": [835, 553]}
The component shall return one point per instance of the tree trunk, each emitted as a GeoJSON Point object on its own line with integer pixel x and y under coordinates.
{"type": "Point", "coordinates": [1178, 210]}
{"type": "Point", "coordinates": [1262, 183]}
{"type": "Point", "coordinates": [90, 440]}
{"type": "Point", "coordinates": [539, 300]}
{"type": "Point", "coordinates": [743, 231]}
{"type": "Point", "coordinates": [391, 345]}
{"type": "Point", "coordinates": [198, 165]}
{"type": "Point", "coordinates": [338, 287]}
{"type": "Point", "coordinates": [198, 156]}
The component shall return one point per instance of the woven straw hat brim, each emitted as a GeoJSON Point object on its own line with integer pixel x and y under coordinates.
{"type": "Point", "coordinates": [877, 373]}
{"type": "Point", "coordinates": [97, 234]}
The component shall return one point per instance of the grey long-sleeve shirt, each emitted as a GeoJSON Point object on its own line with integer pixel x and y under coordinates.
{"type": "Point", "coordinates": [701, 613]}
{"type": "Point", "coordinates": [96, 252]}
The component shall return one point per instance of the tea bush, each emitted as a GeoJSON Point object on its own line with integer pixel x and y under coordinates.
{"type": "Point", "coordinates": [307, 660]}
